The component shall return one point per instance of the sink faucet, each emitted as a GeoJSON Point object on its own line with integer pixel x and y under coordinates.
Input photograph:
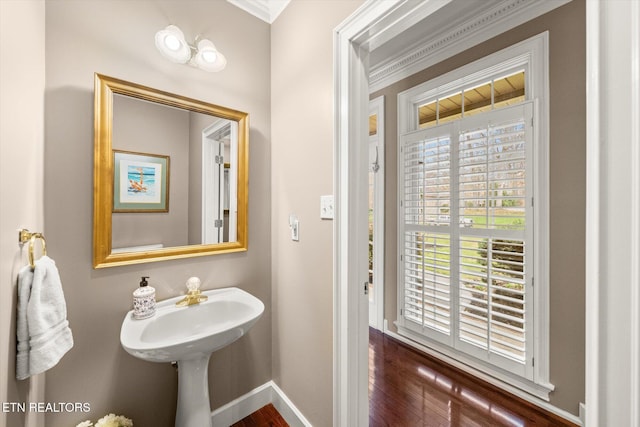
{"type": "Point", "coordinates": [194, 296]}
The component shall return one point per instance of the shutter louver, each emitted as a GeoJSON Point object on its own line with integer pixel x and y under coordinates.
{"type": "Point", "coordinates": [492, 176]}
{"type": "Point", "coordinates": [491, 295]}
{"type": "Point", "coordinates": [492, 195]}
{"type": "Point", "coordinates": [427, 284]}
{"type": "Point", "coordinates": [427, 169]}
{"type": "Point", "coordinates": [427, 255]}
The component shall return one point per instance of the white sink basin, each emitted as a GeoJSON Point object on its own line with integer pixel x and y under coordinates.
{"type": "Point", "coordinates": [188, 335]}
{"type": "Point", "coordinates": [179, 333]}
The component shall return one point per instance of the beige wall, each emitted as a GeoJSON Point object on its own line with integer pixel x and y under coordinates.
{"type": "Point", "coordinates": [21, 147]}
{"type": "Point", "coordinates": [117, 39]}
{"type": "Point", "coordinates": [566, 26]}
{"type": "Point", "coordinates": [302, 171]}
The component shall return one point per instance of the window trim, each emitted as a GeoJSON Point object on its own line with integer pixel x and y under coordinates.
{"type": "Point", "coordinates": [532, 56]}
{"type": "Point", "coordinates": [450, 131]}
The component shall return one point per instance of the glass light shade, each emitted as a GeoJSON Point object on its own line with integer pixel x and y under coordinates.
{"type": "Point", "coordinates": [208, 58]}
{"type": "Point", "coordinates": [172, 44]}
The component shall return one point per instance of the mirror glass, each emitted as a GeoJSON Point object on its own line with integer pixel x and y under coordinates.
{"type": "Point", "coordinates": [170, 175]}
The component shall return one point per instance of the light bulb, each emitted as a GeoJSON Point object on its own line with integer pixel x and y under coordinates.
{"type": "Point", "coordinates": [209, 56]}
{"type": "Point", "coordinates": [172, 44]}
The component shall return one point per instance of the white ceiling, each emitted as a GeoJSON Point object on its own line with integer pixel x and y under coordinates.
{"type": "Point", "coordinates": [267, 10]}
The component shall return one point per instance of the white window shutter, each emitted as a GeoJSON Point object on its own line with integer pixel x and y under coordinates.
{"type": "Point", "coordinates": [466, 235]}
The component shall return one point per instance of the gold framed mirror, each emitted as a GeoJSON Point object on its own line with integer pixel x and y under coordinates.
{"type": "Point", "coordinates": [170, 176]}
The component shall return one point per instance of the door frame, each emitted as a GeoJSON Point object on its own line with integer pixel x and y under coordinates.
{"type": "Point", "coordinates": [376, 310]}
{"type": "Point", "coordinates": [211, 181]}
{"type": "Point", "coordinates": [612, 390]}
{"type": "Point", "coordinates": [374, 23]}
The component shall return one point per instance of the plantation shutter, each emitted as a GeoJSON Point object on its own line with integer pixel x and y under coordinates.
{"type": "Point", "coordinates": [467, 235]}
{"type": "Point", "coordinates": [427, 248]}
{"type": "Point", "coordinates": [494, 202]}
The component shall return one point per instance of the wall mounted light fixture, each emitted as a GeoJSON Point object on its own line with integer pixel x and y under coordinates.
{"type": "Point", "coordinates": [204, 55]}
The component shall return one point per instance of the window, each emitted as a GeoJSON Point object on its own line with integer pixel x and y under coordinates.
{"type": "Point", "coordinates": [467, 248]}
{"type": "Point", "coordinates": [496, 93]}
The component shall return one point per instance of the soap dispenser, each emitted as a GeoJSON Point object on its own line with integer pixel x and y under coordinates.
{"type": "Point", "coordinates": [144, 300]}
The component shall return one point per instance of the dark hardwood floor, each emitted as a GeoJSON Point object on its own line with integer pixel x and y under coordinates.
{"type": "Point", "coordinates": [267, 416]}
{"type": "Point", "coordinates": [408, 388]}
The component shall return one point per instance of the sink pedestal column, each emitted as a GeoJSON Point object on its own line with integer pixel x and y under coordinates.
{"type": "Point", "coordinates": [194, 409]}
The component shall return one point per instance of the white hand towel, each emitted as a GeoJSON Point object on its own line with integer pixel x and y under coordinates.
{"type": "Point", "coordinates": [25, 279]}
{"type": "Point", "coordinates": [49, 333]}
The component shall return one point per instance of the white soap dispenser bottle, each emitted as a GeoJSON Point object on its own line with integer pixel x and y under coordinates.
{"type": "Point", "coordinates": [144, 300]}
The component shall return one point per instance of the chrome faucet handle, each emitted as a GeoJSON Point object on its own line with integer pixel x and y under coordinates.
{"type": "Point", "coordinates": [193, 284]}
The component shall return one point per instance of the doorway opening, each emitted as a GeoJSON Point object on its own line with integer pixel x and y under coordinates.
{"type": "Point", "coordinates": [219, 189]}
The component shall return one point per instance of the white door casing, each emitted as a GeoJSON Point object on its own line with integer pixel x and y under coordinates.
{"type": "Point", "coordinates": [376, 174]}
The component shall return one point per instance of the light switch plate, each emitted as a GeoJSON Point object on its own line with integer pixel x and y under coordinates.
{"type": "Point", "coordinates": [326, 207]}
{"type": "Point", "coordinates": [294, 224]}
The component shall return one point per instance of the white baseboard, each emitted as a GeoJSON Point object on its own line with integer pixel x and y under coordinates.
{"type": "Point", "coordinates": [260, 396]}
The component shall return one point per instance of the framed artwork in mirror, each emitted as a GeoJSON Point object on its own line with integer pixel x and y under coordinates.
{"type": "Point", "coordinates": [141, 182]}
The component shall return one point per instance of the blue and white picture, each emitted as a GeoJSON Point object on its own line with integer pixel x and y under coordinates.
{"type": "Point", "coordinates": [140, 182]}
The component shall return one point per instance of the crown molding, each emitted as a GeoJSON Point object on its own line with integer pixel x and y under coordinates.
{"type": "Point", "coordinates": [485, 22]}
{"type": "Point", "coordinates": [267, 10]}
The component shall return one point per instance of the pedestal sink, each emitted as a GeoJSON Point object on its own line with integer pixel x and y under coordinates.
{"type": "Point", "coordinates": [188, 336]}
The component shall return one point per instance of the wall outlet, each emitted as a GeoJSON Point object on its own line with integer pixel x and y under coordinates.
{"type": "Point", "coordinates": [326, 207]}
